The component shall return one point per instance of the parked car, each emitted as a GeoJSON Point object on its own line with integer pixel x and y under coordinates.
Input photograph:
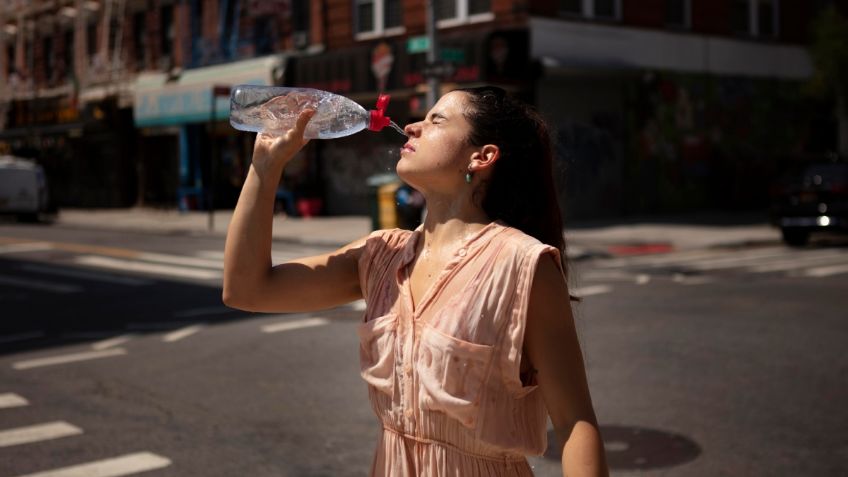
{"type": "Point", "coordinates": [811, 200]}
{"type": "Point", "coordinates": [23, 189]}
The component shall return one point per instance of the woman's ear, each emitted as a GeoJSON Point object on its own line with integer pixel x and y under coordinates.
{"type": "Point", "coordinates": [485, 157]}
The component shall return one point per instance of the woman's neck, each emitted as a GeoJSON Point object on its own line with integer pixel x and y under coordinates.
{"type": "Point", "coordinates": [449, 222]}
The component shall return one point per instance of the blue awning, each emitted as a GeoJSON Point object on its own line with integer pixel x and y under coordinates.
{"type": "Point", "coordinates": [164, 101]}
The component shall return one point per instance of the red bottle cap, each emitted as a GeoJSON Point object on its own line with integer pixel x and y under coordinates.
{"type": "Point", "coordinates": [378, 120]}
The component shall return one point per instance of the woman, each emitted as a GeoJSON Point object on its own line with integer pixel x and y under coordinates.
{"type": "Point", "coordinates": [468, 341]}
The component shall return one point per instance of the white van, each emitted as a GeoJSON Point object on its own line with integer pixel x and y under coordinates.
{"type": "Point", "coordinates": [23, 188]}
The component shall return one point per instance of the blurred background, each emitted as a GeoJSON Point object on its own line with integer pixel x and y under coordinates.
{"type": "Point", "coordinates": [701, 163]}
{"type": "Point", "coordinates": [659, 106]}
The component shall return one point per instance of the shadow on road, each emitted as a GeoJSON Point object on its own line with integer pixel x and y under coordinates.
{"type": "Point", "coordinates": [636, 448]}
{"type": "Point", "coordinates": [65, 307]}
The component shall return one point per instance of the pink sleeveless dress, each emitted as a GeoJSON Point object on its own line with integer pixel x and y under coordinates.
{"type": "Point", "coordinates": [443, 375]}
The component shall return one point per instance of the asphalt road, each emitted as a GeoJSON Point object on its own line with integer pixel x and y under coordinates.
{"type": "Point", "coordinates": [117, 354]}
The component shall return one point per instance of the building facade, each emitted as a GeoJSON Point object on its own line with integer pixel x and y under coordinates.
{"type": "Point", "coordinates": [658, 105]}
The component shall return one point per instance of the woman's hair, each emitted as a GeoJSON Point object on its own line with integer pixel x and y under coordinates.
{"type": "Point", "coordinates": [520, 190]}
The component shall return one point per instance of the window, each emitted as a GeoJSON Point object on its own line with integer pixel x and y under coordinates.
{"type": "Point", "coordinates": [756, 18]}
{"type": "Point", "coordinates": [595, 9]}
{"type": "Point", "coordinates": [91, 40]}
{"type": "Point", "coordinates": [767, 18]}
{"type": "Point", "coordinates": [678, 13]}
{"type": "Point", "coordinates": [166, 30]}
{"type": "Point", "coordinates": [454, 12]}
{"type": "Point", "coordinates": [264, 35]}
{"type": "Point", "coordinates": [69, 54]}
{"type": "Point", "coordinates": [571, 7]}
{"type": "Point", "coordinates": [378, 17]}
{"type": "Point", "coordinates": [49, 58]}
{"type": "Point", "coordinates": [139, 40]}
{"type": "Point", "coordinates": [476, 7]}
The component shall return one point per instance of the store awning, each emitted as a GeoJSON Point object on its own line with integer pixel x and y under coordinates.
{"type": "Point", "coordinates": [578, 46]}
{"type": "Point", "coordinates": [164, 101]}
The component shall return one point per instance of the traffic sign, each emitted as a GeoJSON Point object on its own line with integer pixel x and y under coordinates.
{"type": "Point", "coordinates": [417, 44]}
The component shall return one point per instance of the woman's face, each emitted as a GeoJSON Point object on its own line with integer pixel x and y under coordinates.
{"type": "Point", "coordinates": [437, 155]}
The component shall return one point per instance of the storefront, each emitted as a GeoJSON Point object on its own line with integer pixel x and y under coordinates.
{"type": "Point", "coordinates": [662, 122]}
{"type": "Point", "coordinates": [85, 150]}
{"type": "Point", "coordinates": [181, 132]}
{"type": "Point", "coordinates": [339, 175]}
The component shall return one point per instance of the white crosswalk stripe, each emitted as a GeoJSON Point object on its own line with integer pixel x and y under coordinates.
{"type": "Point", "coordinates": [68, 358]}
{"type": "Point", "coordinates": [279, 255]}
{"type": "Point", "coordinates": [806, 263]}
{"type": "Point", "coordinates": [294, 325]}
{"type": "Point", "coordinates": [114, 467]}
{"type": "Point", "coordinates": [8, 400]}
{"type": "Point", "coordinates": [37, 433]}
{"type": "Point", "coordinates": [180, 271]}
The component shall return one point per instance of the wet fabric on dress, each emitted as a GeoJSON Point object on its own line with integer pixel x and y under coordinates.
{"type": "Point", "coordinates": [443, 374]}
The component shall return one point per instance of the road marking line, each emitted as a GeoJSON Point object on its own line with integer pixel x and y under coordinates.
{"type": "Point", "coordinates": [37, 432]}
{"type": "Point", "coordinates": [134, 266]}
{"type": "Point", "coordinates": [294, 325]}
{"type": "Point", "coordinates": [209, 310]}
{"type": "Point", "coordinates": [155, 325]}
{"type": "Point", "coordinates": [685, 280]}
{"type": "Point", "coordinates": [591, 290]}
{"type": "Point", "coordinates": [103, 277]}
{"type": "Point", "coordinates": [12, 400]}
{"type": "Point", "coordinates": [182, 333]}
{"type": "Point", "coordinates": [662, 259]}
{"type": "Point", "coordinates": [114, 467]}
{"type": "Point", "coordinates": [25, 247]}
{"type": "Point", "coordinates": [819, 272]}
{"type": "Point", "coordinates": [180, 260]}
{"type": "Point", "coordinates": [642, 279]}
{"type": "Point", "coordinates": [276, 256]}
{"type": "Point", "coordinates": [797, 262]}
{"type": "Point", "coordinates": [38, 284]}
{"type": "Point", "coordinates": [101, 345]}
{"type": "Point", "coordinates": [21, 336]}
{"type": "Point", "coordinates": [358, 305]}
{"type": "Point", "coordinates": [733, 259]}
{"type": "Point", "coordinates": [68, 358]}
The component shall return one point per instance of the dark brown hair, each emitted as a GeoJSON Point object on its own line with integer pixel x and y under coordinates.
{"type": "Point", "coordinates": [520, 190]}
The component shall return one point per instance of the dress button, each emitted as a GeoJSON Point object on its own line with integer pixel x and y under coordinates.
{"type": "Point", "coordinates": [408, 413]}
{"type": "Point", "coordinates": [408, 368]}
{"type": "Point", "coordinates": [461, 252]}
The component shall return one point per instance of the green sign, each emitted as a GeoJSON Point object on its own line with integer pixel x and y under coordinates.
{"type": "Point", "coordinates": [417, 44]}
{"type": "Point", "coordinates": [455, 55]}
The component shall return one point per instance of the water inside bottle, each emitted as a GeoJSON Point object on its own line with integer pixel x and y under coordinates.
{"type": "Point", "coordinates": [396, 127]}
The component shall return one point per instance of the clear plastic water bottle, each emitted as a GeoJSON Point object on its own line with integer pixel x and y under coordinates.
{"type": "Point", "coordinates": [275, 108]}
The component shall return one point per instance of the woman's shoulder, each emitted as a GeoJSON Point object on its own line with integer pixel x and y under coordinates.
{"type": "Point", "coordinates": [387, 239]}
{"type": "Point", "coordinates": [515, 237]}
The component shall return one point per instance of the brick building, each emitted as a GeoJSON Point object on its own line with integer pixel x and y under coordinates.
{"type": "Point", "coordinates": [659, 105]}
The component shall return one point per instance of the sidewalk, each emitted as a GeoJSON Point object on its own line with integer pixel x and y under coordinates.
{"type": "Point", "coordinates": [615, 237]}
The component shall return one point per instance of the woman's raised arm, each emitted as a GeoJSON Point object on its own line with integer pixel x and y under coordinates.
{"type": "Point", "coordinates": [251, 283]}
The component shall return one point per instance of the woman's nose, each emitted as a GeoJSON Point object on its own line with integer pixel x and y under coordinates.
{"type": "Point", "coordinates": [412, 129]}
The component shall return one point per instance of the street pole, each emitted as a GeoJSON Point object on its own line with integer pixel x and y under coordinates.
{"type": "Point", "coordinates": [210, 187]}
{"type": "Point", "coordinates": [217, 90]}
{"type": "Point", "coordinates": [432, 53]}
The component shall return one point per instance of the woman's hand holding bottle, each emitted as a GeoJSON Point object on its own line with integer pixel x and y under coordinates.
{"type": "Point", "coordinates": [274, 149]}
